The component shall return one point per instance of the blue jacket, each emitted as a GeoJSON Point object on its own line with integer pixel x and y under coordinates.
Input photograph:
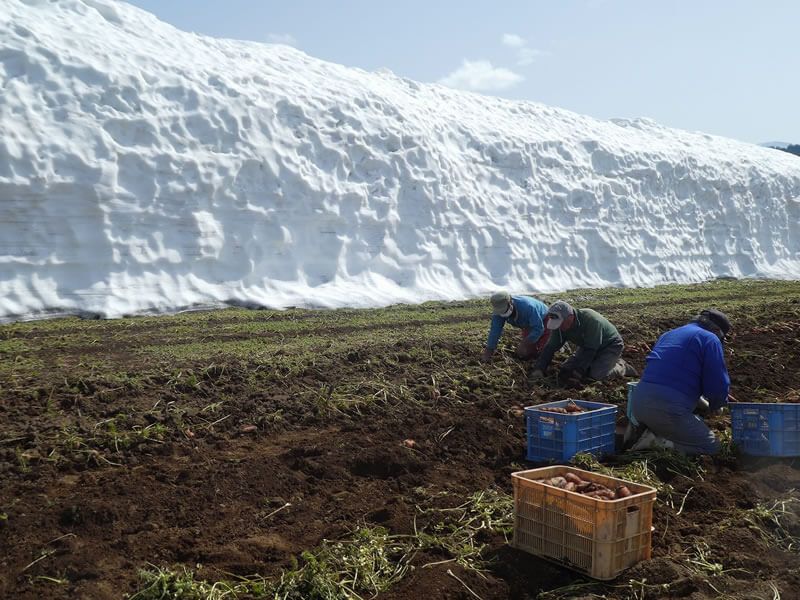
{"type": "Point", "coordinates": [690, 359]}
{"type": "Point", "coordinates": [529, 314]}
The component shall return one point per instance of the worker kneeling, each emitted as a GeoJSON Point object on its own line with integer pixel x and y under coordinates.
{"type": "Point", "coordinates": [529, 314]}
{"type": "Point", "coordinates": [685, 366]}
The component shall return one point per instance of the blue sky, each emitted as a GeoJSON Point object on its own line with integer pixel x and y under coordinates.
{"type": "Point", "coordinates": [725, 67]}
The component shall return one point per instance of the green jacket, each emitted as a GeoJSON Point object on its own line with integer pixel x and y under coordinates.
{"type": "Point", "coordinates": [590, 331]}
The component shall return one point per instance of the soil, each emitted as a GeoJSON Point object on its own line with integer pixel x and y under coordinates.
{"type": "Point", "coordinates": [272, 478]}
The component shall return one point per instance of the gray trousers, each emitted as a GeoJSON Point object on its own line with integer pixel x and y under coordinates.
{"type": "Point", "coordinates": [605, 364]}
{"type": "Point", "coordinates": [653, 406]}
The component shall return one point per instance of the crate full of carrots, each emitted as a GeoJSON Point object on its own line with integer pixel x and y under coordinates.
{"type": "Point", "coordinates": [559, 430]}
{"type": "Point", "coordinates": [595, 524]}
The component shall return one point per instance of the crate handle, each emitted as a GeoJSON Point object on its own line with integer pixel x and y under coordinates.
{"type": "Point", "coordinates": [632, 528]}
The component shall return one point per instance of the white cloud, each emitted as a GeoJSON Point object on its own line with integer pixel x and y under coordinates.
{"type": "Point", "coordinates": [281, 38]}
{"type": "Point", "coordinates": [513, 40]}
{"type": "Point", "coordinates": [525, 54]}
{"type": "Point", "coordinates": [480, 75]}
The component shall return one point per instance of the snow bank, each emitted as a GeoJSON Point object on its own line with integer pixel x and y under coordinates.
{"type": "Point", "coordinates": [144, 169]}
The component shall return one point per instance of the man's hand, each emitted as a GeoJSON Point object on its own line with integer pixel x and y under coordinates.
{"type": "Point", "coordinates": [731, 398]}
{"type": "Point", "coordinates": [487, 355]}
{"type": "Point", "coordinates": [566, 374]}
{"type": "Point", "coordinates": [535, 375]}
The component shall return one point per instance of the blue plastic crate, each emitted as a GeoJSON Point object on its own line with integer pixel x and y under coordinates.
{"type": "Point", "coordinates": [559, 437]}
{"type": "Point", "coordinates": [766, 429]}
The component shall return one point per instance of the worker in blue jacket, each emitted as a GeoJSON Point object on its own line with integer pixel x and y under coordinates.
{"type": "Point", "coordinates": [529, 314]}
{"type": "Point", "coordinates": [685, 371]}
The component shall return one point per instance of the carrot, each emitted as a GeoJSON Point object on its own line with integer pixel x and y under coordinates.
{"type": "Point", "coordinates": [623, 491]}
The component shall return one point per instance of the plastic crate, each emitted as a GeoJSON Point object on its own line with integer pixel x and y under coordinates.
{"type": "Point", "coordinates": [559, 437]}
{"type": "Point", "coordinates": [766, 429]}
{"type": "Point", "coordinates": [599, 538]}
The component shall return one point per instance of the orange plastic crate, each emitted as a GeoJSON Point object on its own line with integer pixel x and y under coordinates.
{"type": "Point", "coordinates": [600, 538]}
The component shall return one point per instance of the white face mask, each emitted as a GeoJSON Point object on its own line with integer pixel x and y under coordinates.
{"type": "Point", "coordinates": [508, 312]}
{"type": "Point", "coordinates": [554, 323]}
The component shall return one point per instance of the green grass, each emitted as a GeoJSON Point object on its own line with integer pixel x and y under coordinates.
{"type": "Point", "coordinates": [295, 339]}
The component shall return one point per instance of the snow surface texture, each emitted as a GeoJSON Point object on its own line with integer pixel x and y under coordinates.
{"type": "Point", "coordinates": [146, 170]}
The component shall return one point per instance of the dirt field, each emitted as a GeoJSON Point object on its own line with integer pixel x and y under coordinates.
{"type": "Point", "coordinates": [115, 457]}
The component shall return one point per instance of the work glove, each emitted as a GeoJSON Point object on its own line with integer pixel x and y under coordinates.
{"type": "Point", "coordinates": [536, 375]}
{"type": "Point", "coordinates": [487, 355]}
{"type": "Point", "coordinates": [702, 407]}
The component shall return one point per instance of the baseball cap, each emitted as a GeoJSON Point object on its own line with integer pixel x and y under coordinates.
{"type": "Point", "coordinates": [557, 312]}
{"type": "Point", "coordinates": [720, 319]}
{"type": "Point", "coordinates": [501, 303]}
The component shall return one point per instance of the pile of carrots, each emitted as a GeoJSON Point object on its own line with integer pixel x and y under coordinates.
{"type": "Point", "coordinates": [572, 483]}
{"type": "Point", "coordinates": [570, 408]}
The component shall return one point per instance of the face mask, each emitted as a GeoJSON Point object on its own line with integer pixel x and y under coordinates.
{"type": "Point", "coordinates": [508, 312]}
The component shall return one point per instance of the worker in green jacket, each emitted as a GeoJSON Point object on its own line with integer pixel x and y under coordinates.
{"type": "Point", "coordinates": [599, 345]}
